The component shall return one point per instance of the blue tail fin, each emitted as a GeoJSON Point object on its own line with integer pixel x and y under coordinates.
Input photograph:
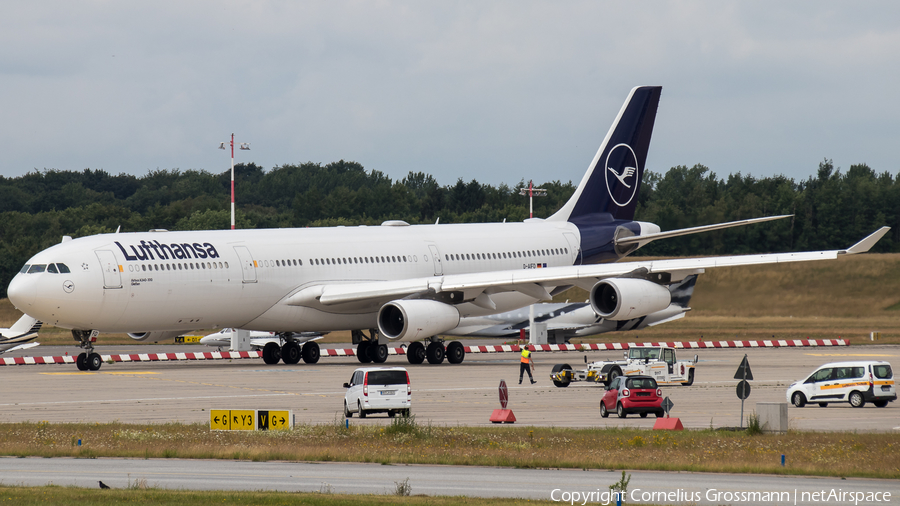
{"type": "Point", "coordinates": [612, 182]}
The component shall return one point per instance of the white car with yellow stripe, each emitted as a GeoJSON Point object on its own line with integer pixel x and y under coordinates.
{"type": "Point", "coordinates": [854, 382]}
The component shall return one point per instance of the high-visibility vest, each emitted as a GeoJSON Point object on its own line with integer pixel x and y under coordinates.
{"type": "Point", "coordinates": [526, 354]}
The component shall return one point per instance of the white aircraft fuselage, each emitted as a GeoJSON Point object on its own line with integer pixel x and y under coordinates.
{"type": "Point", "coordinates": [181, 281]}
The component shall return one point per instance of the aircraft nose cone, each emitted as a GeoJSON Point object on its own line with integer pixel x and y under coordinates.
{"type": "Point", "coordinates": [20, 292]}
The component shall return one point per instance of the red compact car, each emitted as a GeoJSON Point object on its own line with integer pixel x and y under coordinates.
{"type": "Point", "coordinates": [632, 394]}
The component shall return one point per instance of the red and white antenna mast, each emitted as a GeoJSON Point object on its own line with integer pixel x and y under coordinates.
{"type": "Point", "coordinates": [532, 192]}
{"type": "Point", "coordinates": [244, 146]}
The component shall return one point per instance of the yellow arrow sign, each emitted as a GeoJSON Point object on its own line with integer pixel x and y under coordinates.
{"type": "Point", "coordinates": [220, 419]}
{"type": "Point", "coordinates": [243, 419]}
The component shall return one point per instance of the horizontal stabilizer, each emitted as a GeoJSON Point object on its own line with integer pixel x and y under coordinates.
{"type": "Point", "coordinates": [644, 239]}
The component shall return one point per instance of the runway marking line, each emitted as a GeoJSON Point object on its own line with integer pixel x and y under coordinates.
{"type": "Point", "coordinates": [148, 399]}
{"type": "Point", "coordinates": [850, 355]}
{"type": "Point", "coordinates": [80, 373]}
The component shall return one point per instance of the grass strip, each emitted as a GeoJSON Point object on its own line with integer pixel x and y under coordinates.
{"type": "Point", "coordinates": [404, 441]}
{"type": "Point", "coordinates": [26, 496]}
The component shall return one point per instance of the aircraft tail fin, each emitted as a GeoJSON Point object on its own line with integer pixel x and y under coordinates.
{"type": "Point", "coordinates": [25, 325]}
{"type": "Point", "coordinates": [683, 290]}
{"type": "Point", "coordinates": [611, 184]}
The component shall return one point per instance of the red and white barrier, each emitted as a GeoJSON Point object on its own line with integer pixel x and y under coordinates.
{"type": "Point", "coordinates": [503, 348]}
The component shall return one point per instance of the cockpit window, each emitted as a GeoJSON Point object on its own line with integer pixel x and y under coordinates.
{"type": "Point", "coordinates": [37, 268]}
{"type": "Point", "coordinates": [24, 269]}
{"type": "Point", "coordinates": [63, 268]}
{"type": "Point", "coordinates": [52, 268]}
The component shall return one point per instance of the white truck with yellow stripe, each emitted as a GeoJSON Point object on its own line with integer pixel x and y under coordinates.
{"type": "Point", "coordinates": [658, 362]}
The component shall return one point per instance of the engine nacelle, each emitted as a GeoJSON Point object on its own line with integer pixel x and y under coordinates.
{"type": "Point", "coordinates": [155, 336]}
{"type": "Point", "coordinates": [408, 320]}
{"type": "Point", "coordinates": [626, 298]}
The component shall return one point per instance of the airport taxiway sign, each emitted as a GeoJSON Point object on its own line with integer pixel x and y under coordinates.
{"type": "Point", "coordinates": [274, 419]}
{"type": "Point", "coordinates": [232, 419]}
{"type": "Point", "coordinates": [250, 419]}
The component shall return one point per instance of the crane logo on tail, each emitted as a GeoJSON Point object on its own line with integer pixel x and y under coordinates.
{"type": "Point", "coordinates": [622, 174]}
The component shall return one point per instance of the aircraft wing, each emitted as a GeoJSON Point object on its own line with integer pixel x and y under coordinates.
{"type": "Point", "coordinates": [5, 347]}
{"type": "Point", "coordinates": [477, 287]}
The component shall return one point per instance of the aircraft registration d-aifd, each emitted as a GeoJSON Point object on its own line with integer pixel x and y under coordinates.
{"type": "Point", "coordinates": [411, 283]}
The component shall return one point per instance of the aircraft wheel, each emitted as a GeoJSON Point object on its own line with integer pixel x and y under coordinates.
{"type": "Point", "coordinates": [435, 353]}
{"type": "Point", "coordinates": [311, 352]}
{"type": "Point", "coordinates": [94, 361]}
{"type": "Point", "coordinates": [81, 362]}
{"type": "Point", "coordinates": [378, 353]}
{"type": "Point", "coordinates": [362, 352]}
{"type": "Point", "coordinates": [456, 353]}
{"type": "Point", "coordinates": [271, 353]}
{"type": "Point", "coordinates": [415, 353]}
{"type": "Point", "coordinates": [290, 353]}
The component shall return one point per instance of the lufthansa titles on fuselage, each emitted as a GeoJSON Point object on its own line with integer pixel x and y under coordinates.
{"type": "Point", "coordinates": [146, 250]}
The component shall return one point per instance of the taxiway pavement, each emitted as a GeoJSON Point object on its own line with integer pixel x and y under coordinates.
{"type": "Point", "coordinates": [464, 394]}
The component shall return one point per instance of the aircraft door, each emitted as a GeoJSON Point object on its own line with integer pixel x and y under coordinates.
{"type": "Point", "coordinates": [436, 256]}
{"type": "Point", "coordinates": [574, 248]}
{"type": "Point", "coordinates": [248, 268]}
{"type": "Point", "coordinates": [110, 267]}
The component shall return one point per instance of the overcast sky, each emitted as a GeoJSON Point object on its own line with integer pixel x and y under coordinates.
{"type": "Point", "coordinates": [493, 91]}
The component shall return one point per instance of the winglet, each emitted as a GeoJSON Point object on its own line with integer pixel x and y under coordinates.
{"type": "Point", "coordinates": [867, 243]}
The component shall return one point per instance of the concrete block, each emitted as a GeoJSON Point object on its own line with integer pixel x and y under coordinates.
{"type": "Point", "coordinates": [773, 416]}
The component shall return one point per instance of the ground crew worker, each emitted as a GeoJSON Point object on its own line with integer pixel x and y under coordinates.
{"type": "Point", "coordinates": [526, 365]}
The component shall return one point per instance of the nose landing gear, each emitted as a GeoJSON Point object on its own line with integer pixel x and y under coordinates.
{"type": "Point", "coordinates": [87, 360]}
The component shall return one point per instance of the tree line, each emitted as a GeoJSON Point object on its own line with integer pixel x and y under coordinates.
{"type": "Point", "coordinates": [831, 209]}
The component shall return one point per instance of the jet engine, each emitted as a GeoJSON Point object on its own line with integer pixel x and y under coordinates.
{"type": "Point", "coordinates": [155, 336]}
{"type": "Point", "coordinates": [408, 320]}
{"type": "Point", "coordinates": [627, 298]}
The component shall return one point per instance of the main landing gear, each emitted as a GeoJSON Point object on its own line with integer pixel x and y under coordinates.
{"type": "Point", "coordinates": [435, 352]}
{"type": "Point", "coordinates": [87, 360]}
{"type": "Point", "coordinates": [368, 349]}
{"type": "Point", "coordinates": [291, 351]}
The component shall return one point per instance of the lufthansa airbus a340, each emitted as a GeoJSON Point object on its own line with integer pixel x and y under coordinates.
{"type": "Point", "coordinates": [399, 282]}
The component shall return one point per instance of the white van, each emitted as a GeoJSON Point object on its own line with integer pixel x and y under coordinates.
{"type": "Point", "coordinates": [378, 390]}
{"type": "Point", "coordinates": [853, 382]}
